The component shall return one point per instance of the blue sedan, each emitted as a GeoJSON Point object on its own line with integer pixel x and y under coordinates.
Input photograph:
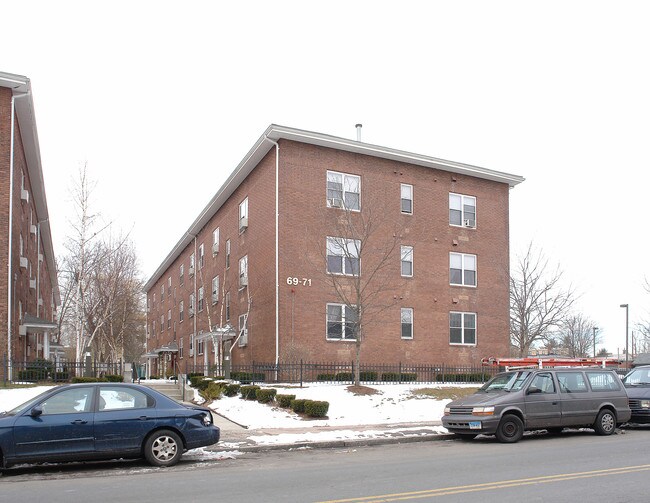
{"type": "Point", "coordinates": [103, 421]}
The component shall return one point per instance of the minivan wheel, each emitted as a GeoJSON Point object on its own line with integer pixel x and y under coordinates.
{"type": "Point", "coordinates": [605, 422]}
{"type": "Point", "coordinates": [163, 448]}
{"type": "Point", "coordinates": [510, 429]}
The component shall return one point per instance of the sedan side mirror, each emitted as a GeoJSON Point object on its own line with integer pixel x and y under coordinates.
{"type": "Point", "coordinates": [36, 411]}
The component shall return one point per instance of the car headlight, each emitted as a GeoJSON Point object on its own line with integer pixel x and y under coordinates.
{"type": "Point", "coordinates": [483, 411]}
{"type": "Point", "coordinates": [207, 419]}
{"type": "Point", "coordinates": [447, 411]}
{"type": "Point", "coordinates": [645, 404]}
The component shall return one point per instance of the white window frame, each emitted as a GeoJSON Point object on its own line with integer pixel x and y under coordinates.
{"type": "Point", "coordinates": [408, 311]}
{"type": "Point", "coordinates": [191, 271]}
{"type": "Point", "coordinates": [409, 188]}
{"type": "Point", "coordinates": [169, 286]}
{"type": "Point", "coordinates": [181, 274]}
{"type": "Point", "coordinates": [227, 253]}
{"type": "Point", "coordinates": [243, 330]}
{"type": "Point", "coordinates": [243, 214]}
{"type": "Point", "coordinates": [191, 305]}
{"type": "Point", "coordinates": [227, 306]}
{"type": "Point", "coordinates": [346, 182]}
{"type": "Point", "coordinates": [201, 295]}
{"type": "Point", "coordinates": [201, 256]}
{"type": "Point", "coordinates": [243, 271]}
{"type": "Point", "coordinates": [406, 257]}
{"type": "Point", "coordinates": [464, 328]}
{"type": "Point", "coordinates": [180, 348]}
{"type": "Point", "coordinates": [347, 250]}
{"type": "Point", "coordinates": [342, 321]}
{"type": "Point", "coordinates": [199, 345]}
{"type": "Point", "coordinates": [215, 241]}
{"type": "Point", "coordinates": [464, 258]}
{"type": "Point", "coordinates": [162, 293]}
{"type": "Point", "coordinates": [215, 289]}
{"type": "Point", "coordinates": [191, 344]}
{"type": "Point", "coordinates": [181, 311]}
{"type": "Point", "coordinates": [162, 323]}
{"type": "Point", "coordinates": [466, 219]}
{"type": "Point", "coordinates": [169, 319]}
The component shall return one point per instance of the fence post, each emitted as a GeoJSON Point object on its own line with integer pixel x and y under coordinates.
{"type": "Point", "coordinates": [400, 373]}
{"type": "Point", "coordinates": [301, 372]}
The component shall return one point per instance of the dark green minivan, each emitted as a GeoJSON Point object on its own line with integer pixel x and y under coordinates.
{"type": "Point", "coordinates": [535, 399]}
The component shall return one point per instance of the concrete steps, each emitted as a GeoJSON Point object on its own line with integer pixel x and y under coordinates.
{"type": "Point", "coordinates": [169, 388]}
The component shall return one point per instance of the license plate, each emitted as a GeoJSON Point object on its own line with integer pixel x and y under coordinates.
{"type": "Point", "coordinates": [475, 425]}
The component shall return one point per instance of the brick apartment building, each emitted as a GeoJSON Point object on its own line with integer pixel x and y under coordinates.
{"type": "Point", "coordinates": [29, 292]}
{"type": "Point", "coordinates": [263, 257]}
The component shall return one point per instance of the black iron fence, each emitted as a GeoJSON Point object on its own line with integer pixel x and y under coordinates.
{"type": "Point", "coordinates": [41, 371]}
{"type": "Point", "coordinates": [344, 373]}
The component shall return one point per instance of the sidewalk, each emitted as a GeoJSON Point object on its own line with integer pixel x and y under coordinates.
{"type": "Point", "coordinates": [238, 438]}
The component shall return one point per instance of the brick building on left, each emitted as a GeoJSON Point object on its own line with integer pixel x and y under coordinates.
{"type": "Point", "coordinates": [29, 291]}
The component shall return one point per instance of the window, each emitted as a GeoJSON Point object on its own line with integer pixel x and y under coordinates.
{"type": "Point", "coordinates": [162, 293]}
{"type": "Point", "coordinates": [544, 383]}
{"type": "Point", "coordinates": [215, 241]}
{"type": "Point", "coordinates": [153, 327]}
{"type": "Point", "coordinates": [215, 289]}
{"type": "Point", "coordinates": [200, 299]}
{"type": "Point", "coordinates": [462, 210]}
{"type": "Point", "coordinates": [169, 319]}
{"type": "Point", "coordinates": [162, 323]}
{"type": "Point", "coordinates": [227, 306]}
{"type": "Point", "coordinates": [341, 322]}
{"type": "Point", "coordinates": [243, 271]}
{"type": "Point", "coordinates": [602, 381]}
{"type": "Point", "coordinates": [181, 274]}
{"type": "Point", "coordinates": [192, 345]}
{"type": "Point", "coordinates": [571, 382]}
{"type": "Point", "coordinates": [154, 297]}
{"type": "Point", "coordinates": [201, 256]}
{"type": "Point", "coordinates": [407, 261]}
{"type": "Point", "coordinates": [462, 328]}
{"type": "Point", "coordinates": [191, 271]}
{"type": "Point", "coordinates": [243, 330]}
{"type": "Point", "coordinates": [407, 198]}
{"type": "Point", "coordinates": [169, 286]}
{"type": "Point", "coordinates": [407, 323]}
{"type": "Point", "coordinates": [191, 306]}
{"type": "Point", "coordinates": [243, 215]}
{"type": "Point", "coordinates": [343, 256]}
{"type": "Point", "coordinates": [69, 401]}
{"type": "Point", "coordinates": [228, 254]}
{"type": "Point", "coordinates": [114, 398]}
{"type": "Point", "coordinates": [199, 346]}
{"type": "Point", "coordinates": [180, 348]}
{"type": "Point", "coordinates": [181, 311]}
{"type": "Point", "coordinates": [462, 269]}
{"type": "Point", "coordinates": [343, 191]}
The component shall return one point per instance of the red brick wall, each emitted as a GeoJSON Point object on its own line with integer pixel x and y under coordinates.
{"type": "Point", "coordinates": [304, 224]}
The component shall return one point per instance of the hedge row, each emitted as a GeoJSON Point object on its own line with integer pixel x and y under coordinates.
{"type": "Point", "coordinates": [368, 376]}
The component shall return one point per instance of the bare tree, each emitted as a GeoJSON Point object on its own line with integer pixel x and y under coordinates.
{"type": "Point", "coordinates": [360, 250]}
{"type": "Point", "coordinates": [538, 302]}
{"type": "Point", "coordinates": [577, 334]}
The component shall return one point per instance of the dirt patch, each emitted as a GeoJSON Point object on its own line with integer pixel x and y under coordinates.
{"type": "Point", "coordinates": [362, 390]}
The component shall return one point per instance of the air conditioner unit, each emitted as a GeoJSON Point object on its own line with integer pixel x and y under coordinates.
{"type": "Point", "coordinates": [215, 298]}
{"type": "Point", "coordinates": [24, 195]}
{"type": "Point", "coordinates": [336, 203]}
{"type": "Point", "coordinates": [468, 223]}
{"type": "Point", "coordinates": [191, 271]}
{"type": "Point", "coordinates": [40, 257]}
{"type": "Point", "coordinates": [243, 281]}
{"type": "Point", "coordinates": [191, 311]}
{"type": "Point", "coordinates": [32, 229]}
{"type": "Point", "coordinates": [215, 248]}
{"type": "Point", "coordinates": [243, 223]}
{"type": "Point", "coordinates": [40, 301]}
{"type": "Point", "coordinates": [243, 339]}
{"type": "Point", "coordinates": [32, 284]}
{"type": "Point", "coordinates": [24, 263]}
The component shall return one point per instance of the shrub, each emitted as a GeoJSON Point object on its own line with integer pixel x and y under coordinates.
{"type": "Point", "coordinates": [247, 377]}
{"type": "Point", "coordinates": [316, 408]}
{"type": "Point", "coordinates": [397, 377]}
{"type": "Point", "coordinates": [231, 389]}
{"type": "Point", "coordinates": [61, 376]}
{"type": "Point", "coordinates": [203, 384]}
{"type": "Point", "coordinates": [196, 379]}
{"type": "Point", "coordinates": [212, 390]}
{"type": "Point", "coordinates": [249, 392]}
{"type": "Point", "coordinates": [284, 401]}
{"type": "Point", "coordinates": [368, 376]}
{"type": "Point", "coordinates": [326, 377]}
{"type": "Point", "coordinates": [265, 395]}
{"type": "Point", "coordinates": [88, 379]}
{"type": "Point", "coordinates": [298, 405]}
{"type": "Point", "coordinates": [344, 376]}
{"type": "Point", "coordinates": [114, 378]}
{"type": "Point", "coordinates": [463, 377]}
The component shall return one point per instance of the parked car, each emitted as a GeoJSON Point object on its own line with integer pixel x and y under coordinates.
{"type": "Point", "coordinates": [103, 421]}
{"type": "Point", "coordinates": [637, 384]}
{"type": "Point", "coordinates": [535, 399]}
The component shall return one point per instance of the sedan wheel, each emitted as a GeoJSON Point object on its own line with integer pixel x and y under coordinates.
{"type": "Point", "coordinates": [605, 422]}
{"type": "Point", "coordinates": [163, 448]}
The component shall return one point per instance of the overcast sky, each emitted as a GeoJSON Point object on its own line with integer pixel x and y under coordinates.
{"type": "Point", "coordinates": [146, 92]}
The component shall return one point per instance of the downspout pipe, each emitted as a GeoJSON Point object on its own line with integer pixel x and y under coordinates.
{"type": "Point", "coordinates": [277, 257]}
{"type": "Point", "coordinates": [10, 233]}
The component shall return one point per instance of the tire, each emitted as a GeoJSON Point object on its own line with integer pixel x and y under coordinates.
{"type": "Point", "coordinates": [465, 436]}
{"type": "Point", "coordinates": [605, 422]}
{"type": "Point", "coordinates": [510, 429]}
{"type": "Point", "coordinates": [163, 448]}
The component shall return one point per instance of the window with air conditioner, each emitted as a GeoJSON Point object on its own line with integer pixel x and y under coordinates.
{"type": "Point", "coordinates": [343, 256]}
{"type": "Point", "coordinates": [215, 241]}
{"type": "Point", "coordinates": [462, 210]}
{"type": "Point", "coordinates": [243, 215]}
{"type": "Point", "coordinates": [343, 191]}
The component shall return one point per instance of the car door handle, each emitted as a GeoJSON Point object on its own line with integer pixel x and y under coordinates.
{"type": "Point", "coordinates": [79, 421]}
{"type": "Point", "coordinates": [553, 403]}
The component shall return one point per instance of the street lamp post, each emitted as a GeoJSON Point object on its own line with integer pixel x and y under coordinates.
{"type": "Point", "coordinates": [627, 312]}
{"type": "Point", "coordinates": [595, 328]}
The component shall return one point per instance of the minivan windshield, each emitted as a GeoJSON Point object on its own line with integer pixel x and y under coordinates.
{"type": "Point", "coordinates": [508, 381]}
{"type": "Point", "coordinates": [638, 377]}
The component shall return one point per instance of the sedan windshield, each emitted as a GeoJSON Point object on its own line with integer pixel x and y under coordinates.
{"type": "Point", "coordinates": [638, 377]}
{"type": "Point", "coordinates": [28, 404]}
{"type": "Point", "coordinates": [508, 381]}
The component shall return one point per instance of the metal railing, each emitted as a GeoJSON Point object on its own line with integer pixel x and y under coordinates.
{"type": "Point", "coordinates": [46, 371]}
